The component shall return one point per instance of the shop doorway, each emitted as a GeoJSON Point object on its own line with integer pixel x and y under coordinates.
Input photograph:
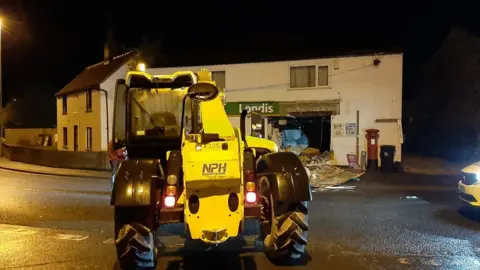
{"type": "Point", "coordinates": [316, 128]}
{"type": "Point", "coordinates": [318, 131]}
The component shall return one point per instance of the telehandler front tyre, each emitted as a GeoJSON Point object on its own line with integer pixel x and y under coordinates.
{"type": "Point", "coordinates": [287, 231]}
{"type": "Point", "coordinates": [135, 242]}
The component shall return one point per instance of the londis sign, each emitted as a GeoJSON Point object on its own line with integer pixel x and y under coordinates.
{"type": "Point", "coordinates": [266, 107]}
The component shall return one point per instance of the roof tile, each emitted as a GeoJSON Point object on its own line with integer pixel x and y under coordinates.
{"type": "Point", "coordinates": [92, 76]}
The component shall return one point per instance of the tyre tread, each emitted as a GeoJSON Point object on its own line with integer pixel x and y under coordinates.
{"type": "Point", "coordinates": [290, 239]}
{"type": "Point", "coordinates": [135, 245]}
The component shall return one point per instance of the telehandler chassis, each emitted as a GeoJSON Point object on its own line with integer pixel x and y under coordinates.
{"type": "Point", "coordinates": [211, 180]}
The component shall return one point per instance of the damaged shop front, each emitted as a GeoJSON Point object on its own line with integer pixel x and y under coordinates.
{"type": "Point", "coordinates": [304, 128]}
{"type": "Point", "coordinates": [289, 124]}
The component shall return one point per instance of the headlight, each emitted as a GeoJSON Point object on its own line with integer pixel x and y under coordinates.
{"type": "Point", "coordinates": [477, 176]}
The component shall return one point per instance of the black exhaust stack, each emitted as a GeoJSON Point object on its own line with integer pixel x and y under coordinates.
{"type": "Point", "coordinates": [243, 116]}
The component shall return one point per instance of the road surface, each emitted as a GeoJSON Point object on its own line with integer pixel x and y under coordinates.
{"type": "Point", "coordinates": [49, 222]}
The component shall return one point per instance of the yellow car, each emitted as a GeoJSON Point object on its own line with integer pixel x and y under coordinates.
{"type": "Point", "coordinates": [469, 185]}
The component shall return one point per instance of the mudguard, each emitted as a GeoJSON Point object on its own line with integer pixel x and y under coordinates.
{"type": "Point", "coordinates": [287, 178]}
{"type": "Point", "coordinates": [135, 183]}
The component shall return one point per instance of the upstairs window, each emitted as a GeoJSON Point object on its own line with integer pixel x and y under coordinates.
{"type": "Point", "coordinates": [219, 78]}
{"type": "Point", "coordinates": [309, 76]}
{"type": "Point", "coordinates": [88, 100]}
{"type": "Point", "coordinates": [322, 76]}
{"type": "Point", "coordinates": [64, 104]}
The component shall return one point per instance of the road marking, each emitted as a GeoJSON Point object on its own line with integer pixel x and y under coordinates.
{"type": "Point", "coordinates": [433, 263]}
{"type": "Point", "coordinates": [19, 230]}
{"type": "Point", "coordinates": [71, 237]}
{"type": "Point", "coordinates": [109, 241]}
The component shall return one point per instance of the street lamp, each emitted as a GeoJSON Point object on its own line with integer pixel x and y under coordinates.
{"type": "Point", "coordinates": [1, 89]}
{"type": "Point", "coordinates": [141, 67]}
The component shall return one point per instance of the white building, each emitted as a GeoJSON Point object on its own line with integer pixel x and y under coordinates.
{"type": "Point", "coordinates": [85, 106]}
{"type": "Point", "coordinates": [331, 97]}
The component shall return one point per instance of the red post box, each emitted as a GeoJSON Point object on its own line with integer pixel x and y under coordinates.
{"type": "Point", "coordinates": [372, 149]}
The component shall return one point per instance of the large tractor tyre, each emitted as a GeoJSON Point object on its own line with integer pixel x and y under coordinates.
{"type": "Point", "coordinates": [134, 241]}
{"type": "Point", "coordinates": [286, 231]}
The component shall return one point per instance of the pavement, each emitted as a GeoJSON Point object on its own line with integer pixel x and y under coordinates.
{"type": "Point", "coordinates": [388, 221]}
{"type": "Point", "coordinates": [24, 167]}
{"type": "Point", "coordinates": [432, 166]}
{"type": "Point", "coordinates": [418, 165]}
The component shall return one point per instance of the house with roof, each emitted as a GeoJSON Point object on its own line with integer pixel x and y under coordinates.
{"type": "Point", "coordinates": [85, 105]}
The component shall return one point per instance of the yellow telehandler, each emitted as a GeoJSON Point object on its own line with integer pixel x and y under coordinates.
{"type": "Point", "coordinates": [185, 163]}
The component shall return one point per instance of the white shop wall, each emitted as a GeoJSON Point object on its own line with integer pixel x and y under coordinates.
{"type": "Point", "coordinates": [376, 91]}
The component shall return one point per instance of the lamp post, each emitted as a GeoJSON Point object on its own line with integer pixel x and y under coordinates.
{"type": "Point", "coordinates": [1, 89]}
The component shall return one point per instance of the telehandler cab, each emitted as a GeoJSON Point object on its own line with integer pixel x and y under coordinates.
{"type": "Point", "coordinates": [186, 163]}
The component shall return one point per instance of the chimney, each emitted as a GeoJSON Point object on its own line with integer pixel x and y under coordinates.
{"type": "Point", "coordinates": [107, 47]}
{"type": "Point", "coordinates": [106, 53]}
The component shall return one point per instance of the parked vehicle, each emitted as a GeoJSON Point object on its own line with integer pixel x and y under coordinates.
{"type": "Point", "coordinates": [469, 185]}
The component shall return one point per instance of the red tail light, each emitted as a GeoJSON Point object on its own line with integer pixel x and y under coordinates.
{"type": "Point", "coordinates": [249, 176]}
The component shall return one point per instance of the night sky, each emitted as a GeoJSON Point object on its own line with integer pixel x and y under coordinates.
{"type": "Point", "coordinates": [44, 46]}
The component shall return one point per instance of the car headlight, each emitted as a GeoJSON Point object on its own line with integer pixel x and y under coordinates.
{"type": "Point", "coordinates": [477, 176]}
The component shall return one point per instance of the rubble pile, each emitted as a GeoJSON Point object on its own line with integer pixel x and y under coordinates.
{"type": "Point", "coordinates": [322, 174]}
{"type": "Point", "coordinates": [318, 167]}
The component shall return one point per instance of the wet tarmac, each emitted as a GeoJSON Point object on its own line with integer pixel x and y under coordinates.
{"type": "Point", "coordinates": [385, 222]}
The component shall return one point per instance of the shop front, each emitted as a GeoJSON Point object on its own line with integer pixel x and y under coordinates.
{"type": "Point", "coordinates": [311, 120]}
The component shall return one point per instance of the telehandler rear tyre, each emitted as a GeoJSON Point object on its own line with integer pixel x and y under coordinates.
{"type": "Point", "coordinates": [287, 232]}
{"type": "Point", "coordinates": [135, 242]}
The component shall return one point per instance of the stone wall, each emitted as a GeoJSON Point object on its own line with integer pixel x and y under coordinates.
{"type": "Point", "coordinates": [27, 136]}
{"type": "Point", "coordinates": [58, 159]}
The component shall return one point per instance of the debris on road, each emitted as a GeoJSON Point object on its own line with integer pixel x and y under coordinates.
{"type": "Point", "coordinates": [318, 165]}
{"type": "Point", "coordinates": [320, 172]}
{"type": "Point", "coordinates": [341, 187]}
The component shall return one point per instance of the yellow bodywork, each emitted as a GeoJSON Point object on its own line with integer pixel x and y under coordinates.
{"type": "Point", "coordinates": [213, 170]}
{"type": "Point", "coordinates": [259, 143]}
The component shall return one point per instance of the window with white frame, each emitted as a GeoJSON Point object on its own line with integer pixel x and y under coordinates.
{"type": "Point", "coordinates": [89, 138]}
{"type": "Point", "coordinates": [322, 76]}
{"type": "Point", "coordinates": [309, 76]}
{"type": "Point", "coordinates": [88, 100]}
{"type": "Point", "coordinates": [65, 137]}
{"type": "Point", "coordinates": [64, 104]}
{"type": "Point", "coordinates": [219, 78]}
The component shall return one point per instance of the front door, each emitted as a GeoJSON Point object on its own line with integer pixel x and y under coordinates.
{"type": "Point", "coordinates": [75, 138]}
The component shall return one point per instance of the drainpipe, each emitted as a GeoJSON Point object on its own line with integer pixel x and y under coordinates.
{"type": "Point", "coordinates": [106, 108]}
{"type": "Point", "coordinates": [358, 137]}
